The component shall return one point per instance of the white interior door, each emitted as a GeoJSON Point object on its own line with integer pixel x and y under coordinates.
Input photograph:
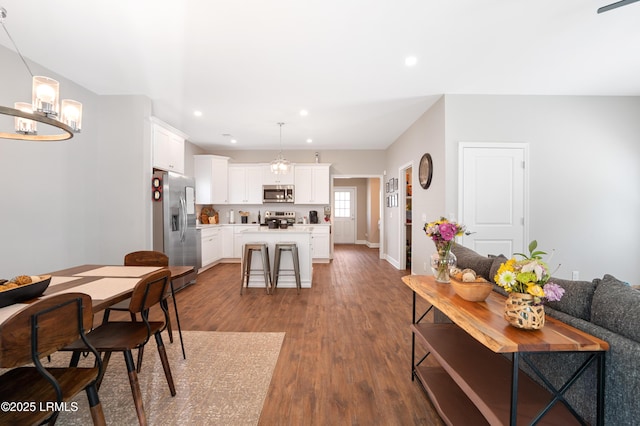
{"type": "Point", "coordinates": [344, 215]}
{"type": "Point", "coordinates": [494, 197]}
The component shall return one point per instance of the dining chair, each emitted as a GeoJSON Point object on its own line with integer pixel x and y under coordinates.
{"type": "Point", "coordinates": [33, 333]}
{"type": "Point", "coordinates": [125, 336]}
{"type": "Point", "coordinates": [148, 258]}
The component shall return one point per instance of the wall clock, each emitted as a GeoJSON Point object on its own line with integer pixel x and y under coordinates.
{"type": "Point", "coordinates": [425, 171]}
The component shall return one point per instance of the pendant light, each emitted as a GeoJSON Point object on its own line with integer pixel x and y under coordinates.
{"type": "Point", "coordinates": [44, 107]}
{"type": "Point", "coordinates": [280, 166]}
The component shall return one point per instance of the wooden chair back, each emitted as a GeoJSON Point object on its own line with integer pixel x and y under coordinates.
{"type": "Point", "coordinates": [149, 291]}
{"type": "Point", "coordinates": [146, 258]}
{"type": "Point", "coordinates": [44, 327]}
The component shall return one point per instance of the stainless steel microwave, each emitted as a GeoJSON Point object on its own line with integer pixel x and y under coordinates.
{"type": "Point", "coordinates": [277, 194]}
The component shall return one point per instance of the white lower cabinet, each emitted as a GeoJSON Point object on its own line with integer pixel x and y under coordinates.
{"type": "Point", "coordinates": [211, 248]}
{"type": "Point", "coordinates": [226, 233]}
{"type": "Point", "coordinates": [321, 242]}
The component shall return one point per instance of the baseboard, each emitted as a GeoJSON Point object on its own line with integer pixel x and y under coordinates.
{"type": "Point", "coordinates": [368, 244]}
{"type": "Point", "coordinates": [392, 261]}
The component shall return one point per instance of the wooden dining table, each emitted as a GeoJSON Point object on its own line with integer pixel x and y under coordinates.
{"type": "Point", "coordinates": [106, 284]}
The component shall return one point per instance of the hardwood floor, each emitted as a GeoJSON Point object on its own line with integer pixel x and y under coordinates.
{"type": "Point", "coordinates": [346, 355]}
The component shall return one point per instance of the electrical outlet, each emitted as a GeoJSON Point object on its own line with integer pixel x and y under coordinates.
{"type": "Point", "coordinates": [575, 275]}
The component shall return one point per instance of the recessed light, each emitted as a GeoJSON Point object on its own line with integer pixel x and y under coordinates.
{"type": "Point", "coordinates": [410, 61]}
{"type": "Point", "coordinates": [304, 112]}
{"type": "Point", "coordinates": [197, 113]}
{"type": "Point", "coordinates": [309, 140]}
{"type": "Point", "coordinates": [233, 141]}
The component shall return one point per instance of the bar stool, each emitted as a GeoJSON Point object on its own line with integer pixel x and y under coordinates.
{"type": "Point", "coordinates": [277, 271]}
{"type": "Point", "coordinates": [249, 248]}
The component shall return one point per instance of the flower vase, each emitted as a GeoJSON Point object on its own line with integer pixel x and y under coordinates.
{"type": "Point", "coordinates": [441, 263]}
{"type": "Point", "coordinates": [521, 312]}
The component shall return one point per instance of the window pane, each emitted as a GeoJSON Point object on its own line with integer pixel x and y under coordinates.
{"type": "Point", "coordinates": [342, 204]}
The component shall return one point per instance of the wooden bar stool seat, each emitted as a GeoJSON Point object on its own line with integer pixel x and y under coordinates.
{"type": "Point", "coordinates": [278, 272]}
{"type": "Point", "coordinates": [248, 250]}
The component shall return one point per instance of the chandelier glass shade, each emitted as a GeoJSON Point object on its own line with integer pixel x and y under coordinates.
{"type": "Point", "coordinates": [280, 166]}
{"type": "Point", "coordinates": [44, 108]}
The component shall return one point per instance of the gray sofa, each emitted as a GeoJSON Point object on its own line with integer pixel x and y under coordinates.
{"type": "Point", "coordinates": [606, 308]}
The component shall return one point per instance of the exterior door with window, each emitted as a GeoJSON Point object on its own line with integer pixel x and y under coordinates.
{"type": "Point", "coordinates": [344, 215]}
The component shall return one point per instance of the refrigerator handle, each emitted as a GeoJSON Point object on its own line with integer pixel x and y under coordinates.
{"type": "Point", "coordinates": [183, 211]}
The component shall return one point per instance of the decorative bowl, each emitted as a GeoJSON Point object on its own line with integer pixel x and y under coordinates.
{"type": "Point", "coordinates": [475, 291]}
{"type": "Point", "coordinates": [25, 291]}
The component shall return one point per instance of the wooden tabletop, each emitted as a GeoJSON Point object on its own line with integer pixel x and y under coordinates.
{"type": "Point", "coordinates": [484, 321]}
{"type": "Point", "coordinates": [85, 274]}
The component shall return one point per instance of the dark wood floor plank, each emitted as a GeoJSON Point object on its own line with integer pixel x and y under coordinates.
{"type": "Point", "coordinates": [346, 355]}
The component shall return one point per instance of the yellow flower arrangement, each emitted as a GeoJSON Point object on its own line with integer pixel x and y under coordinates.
{"type": "Point", "coordinates": [529, 275]}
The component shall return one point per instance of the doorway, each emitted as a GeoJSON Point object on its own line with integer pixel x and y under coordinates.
{"type": "Point", "coordinates": [368, 196]}
{"type": "Point", "coordinates": [406, 230]}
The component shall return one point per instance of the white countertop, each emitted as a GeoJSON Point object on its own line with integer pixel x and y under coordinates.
{"type": "Point", "coordinates": [296, 229]}
{"type": "Point", "coordinates": [205, 226]}
{"type": "Point", "coordinates": [298, 225]}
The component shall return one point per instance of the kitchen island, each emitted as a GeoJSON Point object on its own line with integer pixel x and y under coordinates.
{"type": "Point", "coordinates": [301, 235]}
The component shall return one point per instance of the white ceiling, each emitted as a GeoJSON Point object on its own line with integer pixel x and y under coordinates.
{"type": "Point", "coordinates": [249, 64]}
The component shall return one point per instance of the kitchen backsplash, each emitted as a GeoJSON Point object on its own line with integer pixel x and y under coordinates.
{"type": "Point", "coordinates": [224, 211]}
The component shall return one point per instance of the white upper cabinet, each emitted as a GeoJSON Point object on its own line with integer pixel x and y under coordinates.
{"type": "Point", "coordinates": [270, 178]}
{"type": "Point", "coordinates": [168, 147]}
{"type": "Point", "coordinates": [211, 179]}
{"type": "Point", "coordinates": [245, 184]}
{"type": "Point", "coordinates": [312, 183]}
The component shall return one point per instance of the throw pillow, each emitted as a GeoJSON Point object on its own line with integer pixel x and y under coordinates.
{"type": "Point", "coordinates": [577, 297]}
{"type": "Point", "coordinates": [616, 307]}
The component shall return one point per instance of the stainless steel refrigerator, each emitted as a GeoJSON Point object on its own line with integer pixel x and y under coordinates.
{"type": "Point", "coordinates": [174, 222]}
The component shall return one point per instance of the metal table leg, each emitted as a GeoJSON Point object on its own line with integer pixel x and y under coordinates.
{"type": "Point", "coordinates": [175, 307]}
{"type": "Point", "coordinates": [514, 389]}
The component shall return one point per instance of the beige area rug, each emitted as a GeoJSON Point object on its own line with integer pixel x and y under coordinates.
{"type": "Point", "coordinates": [223, 381]}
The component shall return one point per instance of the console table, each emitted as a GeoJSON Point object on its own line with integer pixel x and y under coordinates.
{"type": "Point", "coordinates": [474, 382]}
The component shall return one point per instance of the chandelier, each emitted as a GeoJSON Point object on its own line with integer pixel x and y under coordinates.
{"type": "Point", "coordinates": [280, 165]}
{"type": "Point", "coordinates": [45, 107]}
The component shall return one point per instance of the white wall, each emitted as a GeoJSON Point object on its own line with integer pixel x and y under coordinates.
{"type": "Point", "coordinates": [123, 177]}
{"type": "Point", "coordinates": [85, 200]}
{"type": "Point", "coordinates": [425, 135]}
{"type": "Point", "coordinates": [78, 201]}
{"type": "Point", "coordinates": [584, 172]}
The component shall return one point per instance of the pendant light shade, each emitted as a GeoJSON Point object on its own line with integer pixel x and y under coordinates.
{"type": "Point", "coordinates": [25, 126]}
{"type": "Point", "coordinates": [280, 166]}
{"type": "Point", "coordinates": [46, 92]}
{"type": "Point", "coordinates": [44, 108]}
